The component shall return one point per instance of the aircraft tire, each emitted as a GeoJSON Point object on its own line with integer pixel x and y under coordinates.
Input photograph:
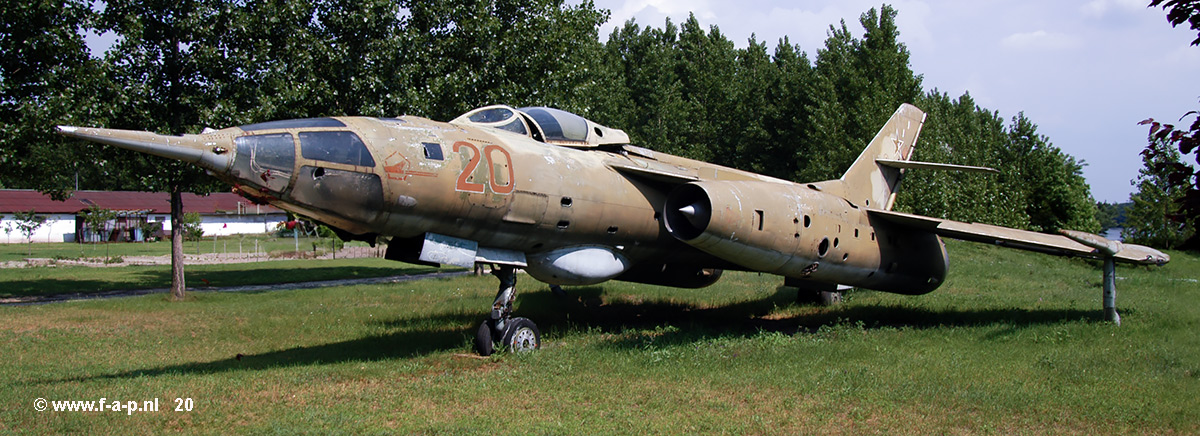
{"type": "Point", "coordinates": [819, 298]}
{"type": "Point", "coordinates": [483, 339]}
{"type": "Point", "coordinates": [829, 298]}
{"type": "Point", "coordinates": [522, 335]}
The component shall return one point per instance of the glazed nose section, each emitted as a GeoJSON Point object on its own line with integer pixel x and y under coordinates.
{"type": "Point", "coordinates": [205, 152]}
{"type": "Point", "coordinates": [266, 161]}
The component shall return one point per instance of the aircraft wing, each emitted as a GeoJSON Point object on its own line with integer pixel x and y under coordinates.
{"type": "Point", "coordinates": [1070, 243]}
{"type": "Point", "coordinates": [655, 171]}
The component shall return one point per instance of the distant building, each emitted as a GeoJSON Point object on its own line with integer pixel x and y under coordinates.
{"type": "Point", "coordinates": [222, 213]}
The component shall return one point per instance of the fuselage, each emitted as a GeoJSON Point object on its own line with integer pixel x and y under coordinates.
{"type": "Point", "coordinates": [491, 186]}
{"type": "Point", "coordinates": [410, 176]}
{"type": "Point", "coordinates": [572, 202]}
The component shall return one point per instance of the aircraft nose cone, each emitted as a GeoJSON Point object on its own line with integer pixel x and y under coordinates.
{"type": "Point", "coordinates": [204, 151]}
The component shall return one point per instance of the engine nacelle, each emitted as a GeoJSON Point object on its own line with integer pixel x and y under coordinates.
{"type": "Point", "coordinates": [802, 233]}
{"type": "Point", "coordinates": [728, 219]}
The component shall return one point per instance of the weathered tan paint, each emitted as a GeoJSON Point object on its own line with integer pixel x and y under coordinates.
{"type": "Point", "coordinates": [529, 196]}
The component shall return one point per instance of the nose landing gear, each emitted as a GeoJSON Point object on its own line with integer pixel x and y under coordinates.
{"type": "Point", "coordinates": [516, 334]}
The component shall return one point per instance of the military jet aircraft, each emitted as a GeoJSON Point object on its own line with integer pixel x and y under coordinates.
{"type": "Point", "coordinates": [571, 202]}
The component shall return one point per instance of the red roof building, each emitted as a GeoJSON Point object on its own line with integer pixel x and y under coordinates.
{"type": "Point", "coordinates": [222, 213]}
{"type": "Point", "coordinates": [22, 200]}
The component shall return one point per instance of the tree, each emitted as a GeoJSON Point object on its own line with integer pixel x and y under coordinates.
{"type": "Point", "coordinates": [150, 230]}
{"type": "Point", "coordinates": [28, 222]}
{"type": "Point", "coordinates": [859, 83]}
{"type": "Point", "coordinates": [651, 84]}
{"type": "Point", "coordinates": [706, 67]}
{"type": "Point", "coordinates": [957, 131]}
{"type": "Point", "coordinates": [1163, 157]}
{"type": "Point", "coordinates": [47, 77]}
{"type": "Point", "coordinates": [751, 108]}
{"type": "Point", "coordinates": [1149, 219]}
{"type": "Point", "coordinates": [191, 227]}
{"type": "Point", "coordinates": [8, 229]}
{"type": "Point", "coordinates": [519, 52]}
{"type": "Point", "coordinates": [1056, 194]}
{"type": "Point", "coordinates": [169, 54]}
{"type": "Point", "coordinates": [1183, 177]}
{"type": "Point", "coordinates": [96, 218]}
{"type": "Point", "coordinates": [1111, 215]}
{"type": "Point", "coordinates": [690, 93]}
{"type": "Point", "coordinates": [681, 89]}
{"type": "Point", "coordinates": [790, 96]}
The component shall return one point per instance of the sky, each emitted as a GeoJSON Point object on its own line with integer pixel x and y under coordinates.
{"type": "Point", "coordinates": [1086, 72]}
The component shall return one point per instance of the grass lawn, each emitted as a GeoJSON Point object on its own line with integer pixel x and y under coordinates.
{"type": "Point", "coordinates": [223, 244]}
{"type": "Point", "coordinates": [19, 282]}
{"type": "Point", "coordinates": [1013, 343]}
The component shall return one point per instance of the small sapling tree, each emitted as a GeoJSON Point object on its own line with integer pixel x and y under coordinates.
{"type": "Point", "coordinates": [8, 229]}
{"type": "Point", "coordinates": [96, 218]}
{"type": "Point", "coordinates": [150, 230]}
{"type": "Point", "coordinates": [28, 223]}
{"type": "Point", "coordinates": [190, 228]}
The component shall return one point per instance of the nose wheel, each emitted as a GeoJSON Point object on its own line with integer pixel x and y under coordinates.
{"type": "Point", "coordinates": [515, 334]}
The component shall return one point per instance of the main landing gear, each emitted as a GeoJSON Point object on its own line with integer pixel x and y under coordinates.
{"type": "Point", "coordinates": [820, 298]}
{"type": "Point", "coordinates": [516, 334]}
{"type": "Point", "coordinates": [806, 293]}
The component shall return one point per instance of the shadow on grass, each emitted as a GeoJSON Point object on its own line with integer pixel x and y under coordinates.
{"type": "Point", "coordinates": [197, 276]}
{"type": "Point", "coordinates": [583, 309]}
{"type": "Point", "coordinates": [55, 286]}
{"type": "Point", "coordinates": [404, 344]}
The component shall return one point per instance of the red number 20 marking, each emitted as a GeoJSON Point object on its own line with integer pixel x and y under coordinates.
{"type": "Point", "coordinates": [464, 184]}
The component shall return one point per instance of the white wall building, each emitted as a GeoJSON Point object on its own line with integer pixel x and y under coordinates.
{"type": "Point", "coordinates": [221, 214]}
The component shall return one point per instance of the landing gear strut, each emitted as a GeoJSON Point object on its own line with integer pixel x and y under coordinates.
{"type": "Point", "coordinates": [1110, 291]}
{"type": "Point", "coordinates": [516, 334]}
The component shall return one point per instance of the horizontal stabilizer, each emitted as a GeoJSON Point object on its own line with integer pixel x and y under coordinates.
{"type": "Point", "coordinates": [1072, 243]}
{"type": "Point", "coordinates": [908, 164]}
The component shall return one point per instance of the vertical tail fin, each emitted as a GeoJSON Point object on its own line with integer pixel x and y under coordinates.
{"type": "Point", "coordinates": [873, 183]}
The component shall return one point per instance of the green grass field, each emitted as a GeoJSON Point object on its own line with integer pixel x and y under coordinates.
{"type": "Point", "coordinates": [224, 244]}
{"type": "Point", "coordinates": [1013, 343]}
{"type": "Point", "coordinates": [36, 281]}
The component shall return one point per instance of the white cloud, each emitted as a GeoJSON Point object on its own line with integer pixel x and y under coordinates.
{"type": "Point", "coordinates": [1099, 8]}
{"type": "Point", "coordinates": [671, 8]}
{"type": "Point", "coordinates": [805, 23]}
{"type": "Point", "coordinates": [1041, 40]}
{"type": "Point", "coordinates": [807, 27]}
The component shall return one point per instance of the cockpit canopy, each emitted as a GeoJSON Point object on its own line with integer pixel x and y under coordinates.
{"type": "Point", "coordinates": [545, 124]}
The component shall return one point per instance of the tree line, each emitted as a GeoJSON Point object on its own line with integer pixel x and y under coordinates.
{"type": "Point", "coordinates": [1165, 210]}
{"type": "Point", "coordinates": [180, 66]}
